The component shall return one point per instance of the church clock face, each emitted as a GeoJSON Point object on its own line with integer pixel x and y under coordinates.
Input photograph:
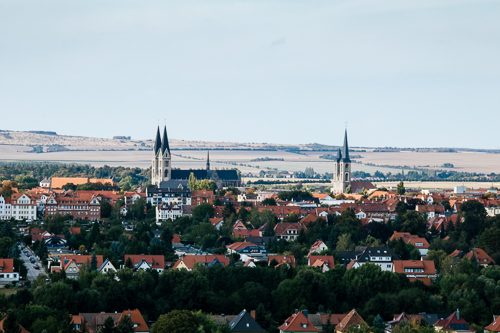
{"type": "Point", "coordinates": [346, 166]}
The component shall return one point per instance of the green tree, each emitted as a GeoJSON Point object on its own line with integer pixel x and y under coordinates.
{"type": "Point", "coordinates": [269, 202]}
{"type": "Point", "coordinates": [378, 322]}
{"type": "Point", "coordinates": [125, 325]}
{"type": "Point", "coordinates": [108, 326]}
{"type": "Point", "coordinates": [345, 243]}
{"type": "Point", "coordinates": [203, 211]}
{"type": "Point", "coordinates": [105, 209]}
{"type": "Point", "coordinates": [93, 263]}
{"type": "Point", "coordinates": [192, 183]}
{"type": "Point", "coordinates": [401, 188]}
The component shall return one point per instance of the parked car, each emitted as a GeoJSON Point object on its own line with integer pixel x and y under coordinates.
{"type": "Point", "coordinates": [36, 266]}
{"type": "Point", "coordinates": [32, 260]}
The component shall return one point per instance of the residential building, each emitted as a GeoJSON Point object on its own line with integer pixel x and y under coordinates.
{"type": "Point", "coordinates": [245, 323]}
{"type": "Point", "coordinates": [288, 231]}
{"type": "Point", "coordinates": [325, 263]}
{"type": "Point", "coordinates": [21, 329]}
{"type": "Point", "coordinates": [79, 321]}
{"type": "Point", "coordinates": [59, 182]}
{"type": "Point", "coordinates": [298, 322]}
{"type": "Point", "coordinates": [319, 320]}
{"type": "Point", "coordinates": [79, 204]}
{"type": "Point", "coordinates": [148, 261]}
{"type": "Point", "coordinates": [106, 266]}
{"type": "Point", "coordinates": [156, 196]}
{"type": "Point", "coordinates": [494, 326]}
{"type": "Point", "coordinates": [23, 207]}
{"type": "Point", "coordinates": [165, 211]}
{"type": "Point", "coordinates": [479, 255]}
{"type": "Point", "coordinates": [188, 262]}
{"type": "Point", "coordinates": [419, 242]}
{"type": "Point", "coordinates": [5, 208]}
{"type": "Point", "coordinates": [422, 270]}
{"type": "Point", "coordinates": [380, 256]}
{"type": "Point", "coordinates": [281, 260]}
{"type": "Point", "coordinates": [352, 319]}
{"type": "Point", "coordinates": [318, 246]}
{"type": "Point", "coordinates": [96, 320]}
{"type": "Point", "coordinates": [138, 322]}
{"type": "Point", "coordinates": [7, 274]}
{"type": "Point", "coordinates": [454, 323]}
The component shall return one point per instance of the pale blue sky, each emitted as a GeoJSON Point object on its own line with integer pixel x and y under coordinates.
{"type": "Point", "coordinates": [420, 73]}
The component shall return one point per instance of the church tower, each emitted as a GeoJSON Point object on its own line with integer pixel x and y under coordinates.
{"type": "Point", "coordinates": [208, 160]}
{"type": "Point", "coordinates": [342, 169]}
{"type": "Point", "coordinates": [162, 166]}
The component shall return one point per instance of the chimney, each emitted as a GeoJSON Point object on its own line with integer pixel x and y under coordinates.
{"type": "Point", "coordinates": [296, 311]}
{"type": "Point", "coordinates": [305, 313]}
{"type": "Point", "coordinates": [252, 313]}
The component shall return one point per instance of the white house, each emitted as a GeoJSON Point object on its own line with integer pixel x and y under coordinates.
{"type": "Point", "coordinates": [107, 266]}
{"type": "Point", "coordinates": [45, 183]}
{"type": "Point", "coordinates": [7, 274]}
{"type": "Point", "coordinates": [23, 207]}
{"type": "Point", "coordinates": [5, 208]}
{"type": "Point", "coordinates": [166, 211]}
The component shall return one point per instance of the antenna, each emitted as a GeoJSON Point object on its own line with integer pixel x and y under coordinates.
{"type": "Point", "coordinates": [346, 124]}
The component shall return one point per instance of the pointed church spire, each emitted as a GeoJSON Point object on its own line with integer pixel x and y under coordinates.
{"type": "Point", "coordinates": [345, 150]}
{"type": "Point", "coordinates": [339, 155]}
{"type": "Point", "coordinates": [157, 141]}
{"type": "Point", "coordinates": [208, 160]}
{"type": "Point", "coordinates": [164, 143]}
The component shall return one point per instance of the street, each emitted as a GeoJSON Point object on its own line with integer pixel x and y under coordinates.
{"type": "Point", "coordinates": [32, 272]}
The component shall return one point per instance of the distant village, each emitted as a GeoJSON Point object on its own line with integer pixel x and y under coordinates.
{"type": "Point", "coordinates": [418, 234]}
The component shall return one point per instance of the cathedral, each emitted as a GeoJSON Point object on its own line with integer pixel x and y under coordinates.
{"type": "Point", "coordinates": [163, 176]}
{"type": "Point", "coordinates": [342, 169]}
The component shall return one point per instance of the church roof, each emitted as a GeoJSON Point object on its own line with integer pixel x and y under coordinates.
{"type": "Point", "coordinates": [227, 174]}
{"type": "Point", "coordinates": [339, 155]}
{"type": "Point", "coordinates": [157, 145]}
{"type": "Point", "coordinates": [164, 143]}
{"type": "Point", "coordinates": [184, 174]}
{"type": "Point", "coordinates": [345, 150]}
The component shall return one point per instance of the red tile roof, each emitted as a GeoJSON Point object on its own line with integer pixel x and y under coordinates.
{"type": "Point", "coordinates": [453, 319]}
{"type": "Point", "coordinates": [482, 257]}
{"type": "Point", "coordinates": [282, 259]}
{"type": "Point", "coordinates": [191, 260]}
{"type": "Point", "coordinates": [298, 323]}
{"type": "Point", "coordinates": [23, 330]}
{"type": "Point", "coordinates": [154, 261]}
{"type": "Point", "coordinates": [79, 260]}
{"type": "Point", "coordinates": [7, 265]}
{"type": "Point", "coordinates": [353, 318]}
{"type": "Point", "coordinates": [317, 261]}
{"type": "Point", "coordinates": [137, 319]}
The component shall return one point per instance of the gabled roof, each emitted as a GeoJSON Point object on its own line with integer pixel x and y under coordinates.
{"type": "Point", "coordinates": [298, 323]}
{"type": "Point", "coordinates": [482, 257]}
{"type": "Point", "coordinates": [316, 245]}
{"type": "Point", "coordinates": [79, 260]}
{"type": "Point", "coordinates": [208, 260]}
{"type": "Point", "coordinates": [318, 261]}
{"type": "Point", "coordinates": [494, 326]}
{"type": "Point", "coordinates": [282, 259]}
{"type": "Point", "coordinates": [282, 227]}
{"type": "Point", "coordinates": [23, 330]}
{"type": "Point", "coordinates": [137, 319]}
{"type": "Point", "coordinates": [453, 320]}
{"type": "Point", "coordinates": [353, 318]}
{"type": "Point", "coordinates": [154, 261]}
{"type": "Point", "coordinates": [7, 265]}
{"type": "Point", "coordinates": [245, 323]}
{"type": "Point", "coordinates": [78, 320]}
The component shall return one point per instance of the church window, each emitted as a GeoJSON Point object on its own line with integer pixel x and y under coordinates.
{"type": "Point", "coordinates": [166, 173]}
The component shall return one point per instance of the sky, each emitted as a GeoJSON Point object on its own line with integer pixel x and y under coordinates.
{"type": "Point", "coordinates": [410, 73]}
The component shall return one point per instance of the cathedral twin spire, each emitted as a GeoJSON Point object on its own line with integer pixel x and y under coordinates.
{"type": "Point", "coordinates": [161, 146]}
